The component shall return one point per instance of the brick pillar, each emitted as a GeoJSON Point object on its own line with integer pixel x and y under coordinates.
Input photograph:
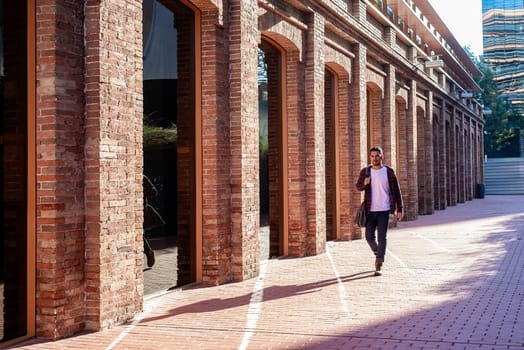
{"type": "Point", "coordinates": [331, 141]}
{"type": "Point", "coordinates": [478, 167]}
{"type": "Point", "coordinates": [480, 140]}
{"type": "Point", "coordinates": [389, 144]}
{"type": "Point", "coordinates": [113, 162]}
{"type": "Point", "coordinates": [216, 153]}
{"type": "Point", "coordinates": [244, 138]}
{"type": "Point", "coordinates": [294, 242]}
{"type": "Point", "coordinates": [358, 129]}
{"type": "Point", "coordinates": [468, 151]}
{"type": "Point", "coordinates": [315, 136]}
{"type": "Point", "coordinates": [402, 146]}
{"type": "Point", "coordinates": [60, 172]}
{"type": "Point", "coordinates": [461, 159]}
{"type": "Point", "coordinates": [425, 156]}
{"type": "Point", "coordinates": [346, 165]}
{"type": "Point", "coordinates": [439, 158]}
{"type": "Point", "coordinates": [430, 161]}
{"type": "Point", "coordinates": [452, 159]}
{"type": "Point", "coordinates": [411, 192]}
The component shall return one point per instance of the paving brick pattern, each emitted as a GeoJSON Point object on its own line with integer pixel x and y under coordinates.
{"type": "Point", "coordinates": [452, 280]}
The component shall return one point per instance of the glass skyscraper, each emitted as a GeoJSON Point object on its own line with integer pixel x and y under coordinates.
{"type": "Point", "coordinates": [503, 39]}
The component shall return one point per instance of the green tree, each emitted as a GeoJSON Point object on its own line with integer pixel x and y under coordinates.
{"type": "Point", "coordinates": [503, 124]}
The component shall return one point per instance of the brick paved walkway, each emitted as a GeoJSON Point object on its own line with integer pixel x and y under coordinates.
{"type": "Point", "coordinates": [452, 280]}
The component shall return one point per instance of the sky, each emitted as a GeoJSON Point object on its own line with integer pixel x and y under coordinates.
{"type": "Point", "coordinates": [464, 20]}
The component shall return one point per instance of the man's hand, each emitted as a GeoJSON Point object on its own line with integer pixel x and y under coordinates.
{"type": "Point", "coordinates": [400, 215]}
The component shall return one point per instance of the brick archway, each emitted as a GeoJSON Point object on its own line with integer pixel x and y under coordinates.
{"type": "Point", "coordinates": [277, 155]}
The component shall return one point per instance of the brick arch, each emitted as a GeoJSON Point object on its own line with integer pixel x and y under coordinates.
{"type": "Point", "coordinates": [289, 37]}
{"type": "Point", "coordinates": [401, 100]}
{"type": "Point", "coordinates": [337, 144]}
{"type": "Point", "coordinates": [287, 215]}
{"type": "Point", "coordinates": [375, 88]}
{"type": "Point", "coordinates": [338, 70]}
{"type": "Point", "coordinates": [279, 41]}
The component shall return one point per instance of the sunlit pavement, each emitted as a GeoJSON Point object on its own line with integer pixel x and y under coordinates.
{"type": "Point", "coordinates": [452, 280]}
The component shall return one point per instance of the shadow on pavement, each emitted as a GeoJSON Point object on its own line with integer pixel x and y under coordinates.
{"type": "Point", "coordinates": [270, 293]}
{"type": "Point", "coordinates": [485, 307]}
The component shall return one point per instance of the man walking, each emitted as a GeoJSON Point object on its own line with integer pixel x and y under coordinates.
{"type": "Point", "coordinates": [383, 197]}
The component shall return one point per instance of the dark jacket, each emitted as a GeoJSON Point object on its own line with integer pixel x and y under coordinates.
{"type": "Point", "coordinates": [395, 195]}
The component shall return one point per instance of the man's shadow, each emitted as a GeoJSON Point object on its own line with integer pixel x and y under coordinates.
{"type": "Point", "coordinates": [269, 293]}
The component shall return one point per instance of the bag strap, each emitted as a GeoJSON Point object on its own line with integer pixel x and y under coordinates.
{"type": "Point", "coordinates": [368, 171]}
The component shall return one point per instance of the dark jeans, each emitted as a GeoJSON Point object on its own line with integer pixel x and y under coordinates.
{"type": "Point", "coordinates": [377, 220]}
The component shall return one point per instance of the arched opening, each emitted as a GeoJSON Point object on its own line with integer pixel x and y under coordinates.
{"type": "Point", "coordinates": [273, 151]}
{"type": "Point", "coordinates": [170, 145]}
{"type": "Point", "coordinates": [331, 147]}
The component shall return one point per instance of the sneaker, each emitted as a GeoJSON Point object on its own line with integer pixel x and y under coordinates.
{"type": "Point", "coordinates": [378, 268]}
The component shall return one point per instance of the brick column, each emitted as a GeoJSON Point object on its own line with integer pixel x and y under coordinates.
{"type": "Point", "coordinates": [411, 192]}
{"type": "Point", "coordinates": [346, 165]}
{"type": "Point", "coordinates": [390, 145]}
{"type": "Point", "coordinates": [217, 168]}
{"type": "Point", "coordinates": [358, 129]}
{"type": "Point", "coordinates": [468, 151]}
{"type": "Point", "coordinates": [60, 171]}
{"type": "Point", "coordinates": [441, 143]}
{"type": "Point", "coordinates": [430, 161]}
{"type": "Point", "coordinates": [113, 162]}
{"type": "Point", "coordinates": [452, 159]}
{"type": "Point", "coordinates": [461, 158]}
{"type": "Point", "coordinates": [315, 136]}
{"type": "Point", "coordinates": [295, 161]}
{"type": "Point", "coordinates": [425, 157]}
{"type": "Point", "coordinates": [244, 138]}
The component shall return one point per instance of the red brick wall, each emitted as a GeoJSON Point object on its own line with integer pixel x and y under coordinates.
{"type": "Point", "coordinates": [315, 136]}
{"type": "Point", "coordinates": [89, 148]}
{"type": "Point", "coordinates": [113, 162]}
{"type": "Point", "coordinates": [358, 127]}
{"type": "Point", "coordinates": [60, 169]}
{"type": "Point", "coordinates": [216, 152]}
{"type": "Point", "coordinates": [244, 138]}
{"type": "Point", "coordinates": [330, 106]}
{"type": "Point", "coordinates": [297, 156]}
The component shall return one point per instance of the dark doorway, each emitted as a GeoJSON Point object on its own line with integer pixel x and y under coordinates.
{"type": "Point", "coordinates": [263, 155]}
{"type": "Point", "coordinates": [13, 173]}
{"type": "Point", "coordinates": [272, 158]}
{"type": "Point", "coordinates": [169, 145]}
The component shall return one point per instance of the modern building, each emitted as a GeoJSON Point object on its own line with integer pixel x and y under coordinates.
{"type": "Point", "coordinates": [503, 39]}
{"type": "Point", "coordinates": [192, 126]}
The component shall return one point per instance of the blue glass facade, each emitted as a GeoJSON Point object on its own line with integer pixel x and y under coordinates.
{"type": "Point", "coordinates": [503, 39]}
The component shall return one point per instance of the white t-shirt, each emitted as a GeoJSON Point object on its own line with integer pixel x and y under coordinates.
{"type": "Point", "coordinates": [379, 190]}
